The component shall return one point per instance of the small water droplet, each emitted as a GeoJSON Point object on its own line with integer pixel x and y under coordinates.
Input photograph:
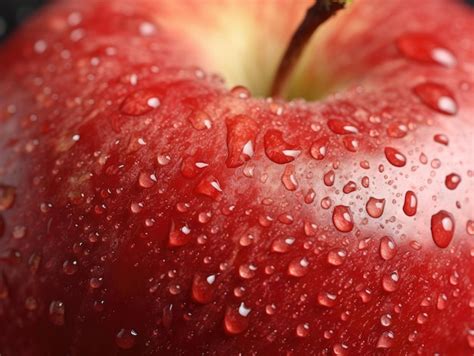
{"type": "Point", "coordinates": [441, 139]}
{"type": "Point", "coordinates": [310, 196]}
{"type": "Point", "coordinates": [277, 149]}
{"type": "Point", "coordinates": [452, 181]}
{"type": "Point", "coordinates": [302, 330]}
{"type": "Point", "coordinates": [386, 320]}
{"type": "Point", "coordinates": [147, 180]}
{"type": "Point", "coordinates": [397, 130]}
{"type": "Point", "coordinates": [442, 301]}
{"type": "Point", "coordinates": [390, 282]}
{"type": "Point", "coordinates": [442, 228]}
{"type": "Point", "coordinates": [326, 299]}
{"type": "Point", "coordinates": [351, 143]}
{"type": "Point", "coordinates": [56, 312]}
{"type": "Point", "coordinates": [70, 267]}
{"type": "Point", "coordinates": [388, 248]}
{"type": "Point", "coordinates": [178, 236]}
{"type": "Point", "coordinates": [139, 103]}
{"type": "Point", "coordinates": [394, 156]}
{"type": "Point", "coordinates": [241, 136]}
{"type": "Point", "coordinates": [336, 257]}
{"type": "Point", "coordinates": [240, 92]}
{"type": "Point", "coordinates": [350, 187]}
{"type": "Point", "coordinates": [470, 227]}
{"type": "Point", "coordinates": [203, 288]}
{"type": "Point", "coordinates": [422, 318]}
{"type": "Point", "coordinates": [247, 271]}
{"type": "Point", "coordinates": [126, 338]}
{"type": "Point", "coordinates": [375, 207]}
{"type": "Point", "coordinates": [210, 187]}
{"type": "Point", "coordinates": [437, 97]}
{"type": "Point", "coordinates": [410, 203]}
{"type": "Point", "coordinates": [329, 178]}
{"type": "Point", "coordinates": [342, 218]}
{"type": "Point", "coordinates": [340, 349]}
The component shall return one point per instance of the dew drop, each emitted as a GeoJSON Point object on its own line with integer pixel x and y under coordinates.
{"type": "Point", "coordinates": [442, 301]}
{"type": "Point", "coordinates": [375, 207]}
{"type": "Point", "coordinates": [388, 248]}
{"type": "Point", "coordinates": [139, 103]}
{"type": "Point", "coordinates": [342, 127]}
{"type": "Point", "coordinates": [441, 139]}
{"type": "Point", "coordinates": [397, 130]}
{"type": "Point", "coordinates": [442, 228]}
{"type": "Point", "coordinates": [309, 197]}
{"type": "Point", "coordinates": [386, 340]}
{"type": "Point", "coordinates": [452, 181]}
{"type": "Point", "coordinates": [351, 143]}
{"type": "Point", "coordinates": [410, 203]}
{"type": "Point", "coordinates": [336, 257]}
{"type": "Point", "coordinates": [390, 282]}
{"type": "Point", "coordinates": [340, 349]}
{"type": "Point", "coordinates": [342, 218]}
{"type": "Point", "coordinates": [395, 158]}
{"type": "Point", "coordinates": [282, 245]}
{"type": "Point", "coordinates": [203, 288]}
{"type": "Point", "coordinates": [277, 149]}
{"type": "Point", "coordinates": [240, 92]}
{"type": "Point", "coordinates": [247, 271]}
{"type": "Point", "coordinates": [146, 180]}
{"type": "Point", "coordinates": [437, 97]}
{"type": "Point", "coordinates": [241, 135]}
{"type": "Point", "coordinates": [178, 236]}
{"type": "Point", "coordinates": [326, 299]}
{"type": "Point", "coordinates": [210, 187]}
{"type": "Point", "coordinates": [470, 227]}
{"type": "Point", "coordinates": [350, 187]}
{"type": "Point", "coordinates": [302, 330]}
{"type": "Point", "coordinates": [126, 338]}
{"type": "Point", "coordinates": [298, 267]}
{"type": "Point", "coordinates": [236, 320]}
{"type": "Point", "coordinates": [200, 120]}
{"type": "Point", "coordinates": [70, 267]}
{"type": "Point", "coordinates": [422, 318]}
{"type": "Point", "coordinates": [318, 149]}
{"type": "Point", "coordinates": [288, 178]}
{"type": "Point", "coordinates": [386, 320]}
{"type": "Point", "coordinates": [329, 178]}
{"type": "Point", "coordinates": [56, 312]}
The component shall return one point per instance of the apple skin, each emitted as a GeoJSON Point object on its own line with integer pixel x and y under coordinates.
{"type": "Point", "coordinates": [116, 242]}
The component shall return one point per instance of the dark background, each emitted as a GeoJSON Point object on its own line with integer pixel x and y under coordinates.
{"type": "Point", "coordinates": [13, 12]}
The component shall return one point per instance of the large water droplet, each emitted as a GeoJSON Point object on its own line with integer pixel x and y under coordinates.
{"type": "Point", "coordinates": [241, 135]}
{"type": "Point", "coordinates": [203, 288]}
{"type": "Point", "coordinates": [437, 97]}
{"type": "Point", "coordinates": [375, 207]}
{"type": "Point", "coordinates": [395, 157]}
{"type": "Point", "coordinates": [7, 197]}
{"type": "Point", "coordinates": [442, 228]}
{"type": "Point", "coordinates": [390, 282]}
{"type": "Point", "coordinates": [342, 218]}
{"type": "Point", "coordinates": [210, 187]}
{"type": "Point", "coordinates": [410, 204]}
{"type": "Point", "coordinates": [277, 149]}
{"type": "Point", "coordinates": [452, 181]}
{"type": "Point", "coordinates": [423, 47]}
{"type": "Point", "coordinates": [236, 319]}
{"type": "Point", "coordinates": [388, 248]}
{"type": "Point", "coordinates": [126, 338]}
{"type": "Point", "coordinates": [288, 178]}
{"type": "Point", "coordinates": [140, 102]}
{"type": "Point", "coordinates": [342, 127]}
{"type": "Point", "coordinates": [318, 149]}
{"type": "Point", "coordinates": [56, 312]}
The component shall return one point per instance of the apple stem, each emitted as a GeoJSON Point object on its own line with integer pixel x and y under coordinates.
{"type": "Point", "coordinates": [315, 16]}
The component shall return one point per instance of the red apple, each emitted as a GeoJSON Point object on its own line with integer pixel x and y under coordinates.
{"type": "Point", "coordinates": [146, 208]}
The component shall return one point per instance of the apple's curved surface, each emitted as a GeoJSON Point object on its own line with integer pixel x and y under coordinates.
{"type": "Point", "coordinates": [147, 209]}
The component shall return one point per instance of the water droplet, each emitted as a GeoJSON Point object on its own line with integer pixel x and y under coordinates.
{"type": "Point", "coordinates": [385, 340]}
{"type": "Point", "coordinates": [395, 157]}
{"type": "Point", "coordinates": [277, 149]}
{"type": "Point", "coordinates": [422, 318]}
{"type": "Point", "coordinates": [163, 159]}
{"type": "Point", "coordinates": [146, 29]}
{"type": "Point", "coordinates": [178, 236]}
{"type": "Point", "coordinates": [342, 218]}
{"type": "Point", "coordinates": [329, 178]}
{"type": "Point", "coordinates": [441, 139]}
{"type": "Point", "coordinates": [318, 149]}
{"type": "Point", "coordinates": [247, 271]}
{"type": "Point", "coordinates": [442, 228]}
{"type": "Point", "coordinates": [146, 180]}
{"type": "Point", "coordinates": [365, 295]}
{"type": "Point", "coordinates": [350, 187]}
{"type": "Point", "coordinates": [452, 181]}
{"type": "Point", "coordinates": [126, 338]}
{"type": "Point", "coordinates": [7, 197]}
{"type": "Point", "coordinates": [210, 187]}
{"type": "Point", "coordinates": [203, 288]}
{"type": "Point", "coordinates": [309, 197]}
{"type": "Point", "coordinates": [70, 267]}
{"type": "Point", "coordinates": [386, 320]}
{"type": "Point", "coordinates": [288, 178]}
{"type": "Point", "coordinates": [390, 282]}
{"type": "Point", "coordinates": [397, 130]}
{"type": "Point", "coordinates": [423, 47]}
{"type": "Point", "coordinates": [236, 320]}
{"type": "Point", "coordinates": [298, 267]}
{"type": "Point", "coordinates": [240, 92]}
{"type": "Point", "coordinates": [341, 127]}
{"type": "Point", "coordinates": [326, 299]}
{"type": "Point", "coordinates": [56, 312]}
{"type": "Point", "coordinates": [351, 143]}
{"type": "Point", "coordinates": [139, 103]}
{"type": "Point", "coordinates": [437, 97]}
{"type": "Point", "coordinates": [302, 330]}
{"type": "Point", "coordinates": [365, 182]}
{"type": "Point", "coordinates": [442, 301]}
{"type": "Point", "coordinates": [340, 349]}
{"type": "Point", "coordinates": [410, 204]}
{"type": "Point", "coordinates": [241, 135]}
{"type": "Point", "coordinates": [375, 207]}
{"type": "Point", "coordinates": [282, 245]}
{"type": "Point", "coordinates": [336, 257]}
{"type": "Point", "coordinates": [388, 248]}
{"type": "Point", "coordinates": [470, 227]}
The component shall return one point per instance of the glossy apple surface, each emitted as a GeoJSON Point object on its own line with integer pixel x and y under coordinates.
{"type": "Point", "coordinates": [147, 208]}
